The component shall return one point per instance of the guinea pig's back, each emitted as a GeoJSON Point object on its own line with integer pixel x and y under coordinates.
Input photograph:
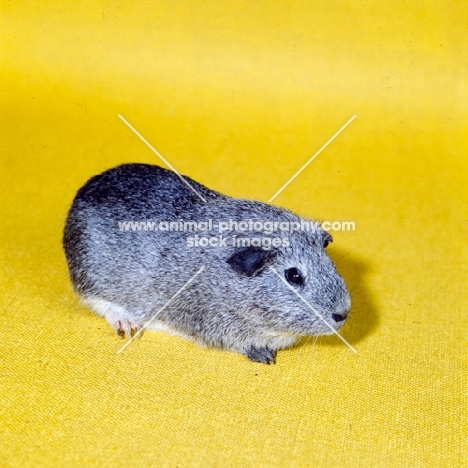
{"type": "Point", "coordinates": [97, 250]}
{"type": "Point", "coordinates": [141, 190]}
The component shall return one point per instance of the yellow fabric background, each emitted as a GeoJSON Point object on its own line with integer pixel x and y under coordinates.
{"type": "Point", "coordinates": [239, 95]}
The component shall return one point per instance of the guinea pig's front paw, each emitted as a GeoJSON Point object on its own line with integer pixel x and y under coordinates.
{"type": "Point", "coordinates": [126, 328]}
{"type": "Point", "coordinates": [262, 355]}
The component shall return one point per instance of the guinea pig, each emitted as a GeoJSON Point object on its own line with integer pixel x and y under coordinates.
{"type": "Point", "coordinates": [149, 248]}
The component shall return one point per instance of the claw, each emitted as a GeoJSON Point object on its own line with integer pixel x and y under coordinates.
{"type": "Point", "coordinates": [125, 328]}
{"type": "Point", "coordinates": [262, 355]}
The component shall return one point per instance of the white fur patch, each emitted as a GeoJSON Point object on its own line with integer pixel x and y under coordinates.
{"type": "Point", "coordinates": [116, 315]}
{"type": "Point", "coordinates": [160, 326]}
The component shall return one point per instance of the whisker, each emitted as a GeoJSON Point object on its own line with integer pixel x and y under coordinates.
{"type": "Point", "coordinates": [355, 293]}
{"type": "Point", "coordinates": [357, 276]}
{"type": "Point", "coordinates": [315, 342]}
{"type": "Point", "coordinates": [344, 256]}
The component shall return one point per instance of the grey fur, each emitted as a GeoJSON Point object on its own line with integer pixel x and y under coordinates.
{"type": "Point", "coordinates": [236, 303]}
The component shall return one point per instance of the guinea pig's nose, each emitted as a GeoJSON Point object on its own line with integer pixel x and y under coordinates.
{"type": "Point", "coordinates": [339, 317]}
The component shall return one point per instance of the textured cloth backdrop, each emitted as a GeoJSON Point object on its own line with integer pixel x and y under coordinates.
{"type": "Point", "coordinates": [239, 95]}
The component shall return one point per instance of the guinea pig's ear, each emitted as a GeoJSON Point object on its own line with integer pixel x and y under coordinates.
{"type": "Point", "coordinates": [250, 261]}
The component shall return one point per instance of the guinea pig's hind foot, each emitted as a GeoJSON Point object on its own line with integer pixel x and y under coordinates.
{"type": "Point", "coordinates": [116, 316]}
{"type": "Point", "coordinates": [262, 355]}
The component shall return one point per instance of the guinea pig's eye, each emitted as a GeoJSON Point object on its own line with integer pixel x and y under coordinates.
{"type": "Point", "coordinates": [294, 277]}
